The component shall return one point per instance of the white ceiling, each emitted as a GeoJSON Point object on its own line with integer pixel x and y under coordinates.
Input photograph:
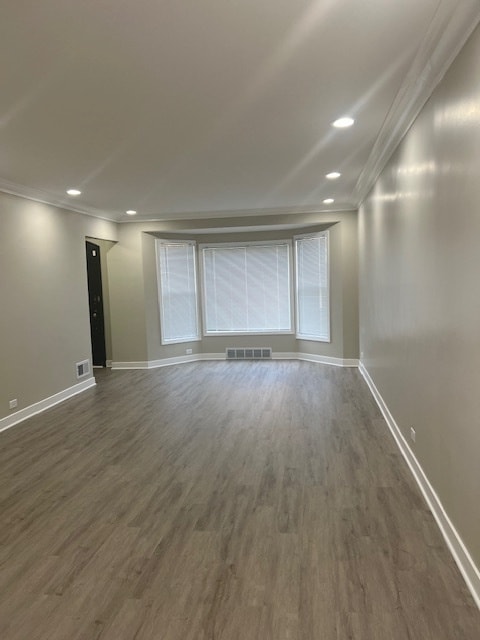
{"type": "Point", "coordinates": [194, 108]}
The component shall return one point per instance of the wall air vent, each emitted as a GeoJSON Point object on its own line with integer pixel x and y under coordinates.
{"type": "Point", "coordinates": [249, 353]}
{"type": "Point", "coordinates": [82, 368]}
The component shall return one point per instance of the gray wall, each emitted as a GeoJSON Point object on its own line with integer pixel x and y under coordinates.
{"type": "Point", "coordinates": [134, 293]}
{"type": "Point", "coordinates": [44, 318]}
{"type": "Point", "coordinates": [419, 237]}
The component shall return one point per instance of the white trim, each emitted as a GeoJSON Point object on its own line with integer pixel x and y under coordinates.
{"type": "Point", "coordinates": [47, 403]}
{"type": "Point", "coordinates": [167, 362]}
{"type": "Point", "coordinates": [284, 355]}
{"type": "Point", "coordinates": [236, 334]}
{"type": "Point", "coordinates": [199, 357]}
{"type": "Point", "coordinates": [250, 214]}
{"type": "Point", "coordinates": [211, 356]}
{"type": "Point", "coordinates": [336, 362]}
{"type": "Point", "coordinates": [37, 195]}
{"type": "Point", "coordinates": [108, 364]}
{"type": "Point", "coordinates": [447, 33]}
{"type": "Point", "coordinates": [130, 365]}
{"type": "Point", "coordinates": [460, 553]}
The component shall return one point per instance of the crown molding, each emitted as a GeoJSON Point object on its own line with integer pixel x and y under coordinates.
{"type": "Point", "coordinates": [37, 195]}
{"type": "Point", "coordinates": [447, 34]}
{"type": "Point", "coordinates": [189, 216]}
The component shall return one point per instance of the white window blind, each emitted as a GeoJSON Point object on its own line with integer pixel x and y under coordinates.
{"type": "Point", "coordinates": [312, 287]}
{"type": "Point", "coordinates": [247, 288]}
{"type": "Point", "coordinates": [177, 291]}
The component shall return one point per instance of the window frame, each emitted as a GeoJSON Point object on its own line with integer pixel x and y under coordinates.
{"type": "Point", "coordinates": [327, 338]}
{"type": "Point", "coordinates": [213, 245]}
{"type": "Point", "coordinates": [190, 243]}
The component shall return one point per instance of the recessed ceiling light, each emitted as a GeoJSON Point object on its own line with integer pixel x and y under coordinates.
{"type": "Point", "coordinates": [73, 192]}
{"type": "Point", "coordinates": [328, 201]}
{"type": "Point", "coordinates": [343, 123]}
{"type": "Point", "coordinates": [130, 212]}
{"type": "Point", "coordinates": [333, 175]}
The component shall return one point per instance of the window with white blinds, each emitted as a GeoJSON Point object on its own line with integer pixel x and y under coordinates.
{"type": "Point", "coordinates": [312, 287]}
{"type": "Point", "coordinates": [246, 289]}
{"type": "Point", "coordinates": [177, 291]}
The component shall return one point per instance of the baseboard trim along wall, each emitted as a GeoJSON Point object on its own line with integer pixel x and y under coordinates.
{"type": "Point", "coordinates": [47, 403]}
{"type": "Point", "coordinates": [460, 553]}
{"type": "Point", "coordinates": [198, 357]}
{"type": "Point", "coordinates": [336, 362]}
{"type": "Point", "coordinates": [167, 362]}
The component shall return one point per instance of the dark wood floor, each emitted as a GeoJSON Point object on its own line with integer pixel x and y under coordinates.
{"type": "Point", "coordinates": [220, 501]}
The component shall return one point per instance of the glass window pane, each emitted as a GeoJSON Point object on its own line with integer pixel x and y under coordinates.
{"type": "Point", "coordinates": [247, 289]}
{"type": "Point", "coordinates": [178, 291]}
{"type": "Point", "coordinates": [312, 290]}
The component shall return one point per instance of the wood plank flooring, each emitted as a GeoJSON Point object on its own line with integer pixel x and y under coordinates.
{"type": "Point", "coordinates": [220, 501]}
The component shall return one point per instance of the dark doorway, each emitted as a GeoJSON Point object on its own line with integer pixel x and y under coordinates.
{"type": "Point", "coordinates": [95, 299]}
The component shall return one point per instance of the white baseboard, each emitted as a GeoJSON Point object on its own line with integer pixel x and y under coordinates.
{"type": "Point", "coordinates": [284, 355]}
{"type": "Point", "coordinates": [210, 356]}
{"type": "Point", "coordinates": [154, 364]}
{"type": "Point", "coordinates": [460, 553]}
{"type": "Point", "coordinates": [311, 357]}
{"type": "Point", "coordinates": [167, 362]}
{"type": "Point", "coordinates": [130, 365]}
{"type": "Point", "coordinates": [198, 357]}
{"type": "Point", "coordinates": [47, 403]}
{"type": "Point", "coordinates": [336, 362]}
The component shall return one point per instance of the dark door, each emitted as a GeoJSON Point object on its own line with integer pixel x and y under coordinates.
{"type": "Point", "coordinates": [95, 299]}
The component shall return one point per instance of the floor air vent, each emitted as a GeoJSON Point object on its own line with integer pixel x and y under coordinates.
{"type": "Point", "coordinates": [265, 353]}
{"type": "Point", "coordinates": [83, 368]}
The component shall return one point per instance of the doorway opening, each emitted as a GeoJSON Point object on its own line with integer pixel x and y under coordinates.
{"type": "Point", "coordinates": [95, 301]}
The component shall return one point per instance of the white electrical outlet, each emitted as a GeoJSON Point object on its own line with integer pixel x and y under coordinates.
{"type": "Point", "coordinates": [188, 352]}
{"type": "Point", "coordinates": [413, 434]}
{"type": "Point", "coordinates": [13, 403]}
